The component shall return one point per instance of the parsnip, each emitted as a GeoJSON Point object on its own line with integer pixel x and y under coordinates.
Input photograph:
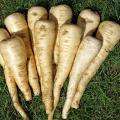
{"type": "Point", "coordinates": [70, 36]}
{"type": "Point", "coordinates": [87, 51]}
{"type": "Point", "coordinates": [14, 55]}
{"type": "Point", "coordinates": [13, 93]}
{"type": "Point", "coordinates": [17, 25]}
{"type": "Point", "coordinates": [60, 14]}
{"type": "Point", "coordinates": [109, 32]}
{"type": "Point", "coordinates": [10, 80]}
{"type": "Point", "coordinates": [35, 14]}
{"type": "Point", "coordinates": [13, 90]}
{"type": "Point", "coordinates": [89, 21]}
{"type": "Point", "coordinates": [44, 43]}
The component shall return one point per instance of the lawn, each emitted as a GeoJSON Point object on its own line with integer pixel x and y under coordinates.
{"type": "Point", "coordinates": [101, 100]}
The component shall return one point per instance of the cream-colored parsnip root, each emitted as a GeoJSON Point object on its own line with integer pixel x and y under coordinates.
{"type": "Point", "coordinates": [35, 14]}
{"type": "Point", "coordinates": [60, 14]}
{"type": "Point", "coordinates": [14, 55]}
{"type": "Point", "coordinates": [109, 32]}
{"type": "Point", "coordinates": [17, 25]}
{"type": "Point", "coordinates": [87, 51]}
{"type": "Point", "coordinates": [13, 93]}
{"type": "Point", "coordinates": [10, 81]}
{"type": "Point", "coordinates": [88, 20]}
{"type": "Point", "coordinates": [70, 36]}
{"type": "Point", "coordinates": [44, 43]}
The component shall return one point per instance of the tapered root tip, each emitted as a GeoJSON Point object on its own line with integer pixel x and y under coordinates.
{"type": "Point", "coordinates": [37, 93]}
{"type": "Point", "coordinates": [20, 110]}
{"type": "Point", "coordinates": [64, 116]}
{"type": "Point", "coordinates": [75, 105]}
{"type": "Point", "coordinates": [25, 117]}
{"type": "Point", "coordinates": [28, 98]}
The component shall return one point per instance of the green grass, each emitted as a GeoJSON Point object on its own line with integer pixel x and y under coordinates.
{"type": "Point", "coordinates": [101, 100]}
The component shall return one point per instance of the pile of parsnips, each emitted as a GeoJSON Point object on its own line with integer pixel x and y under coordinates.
{"type": "Point", "coordinates": [47, 48]}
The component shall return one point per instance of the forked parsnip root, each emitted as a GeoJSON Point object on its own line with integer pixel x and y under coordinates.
{"type": "Point", "coordinates": [87, 51]}
{"type": "Point", "coordinates": [17, 25]}
{"type": "Point", "coordinates": [14, 55]}
{"type": "Point", "coordinates": [60, 14]}
{"type": "Point", "coordinates": [70, 36]}
{"type": "Point", "coordinates": [13, 93]}
{"type": "Point", "coordinates": [44, 42]}
{"type": "Point", "coordinates": [10, 81]}
{"type": "Point", "coordinates": [35, 14]}
{"type": "Point", "coordinates": [109, 32]}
